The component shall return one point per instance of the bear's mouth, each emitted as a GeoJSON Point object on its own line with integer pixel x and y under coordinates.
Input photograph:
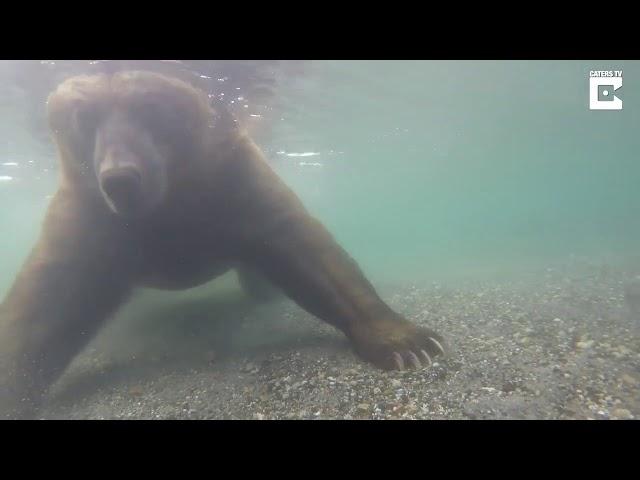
{"type": "Point", "coordinates": [123, 190]}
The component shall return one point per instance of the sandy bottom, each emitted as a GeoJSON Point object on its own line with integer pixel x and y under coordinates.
{"type": "Point", "coordinates": [557, 343]}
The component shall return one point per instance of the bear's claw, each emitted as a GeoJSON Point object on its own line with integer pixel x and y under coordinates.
{"type": "Point", "coordinates": [437, 344]}
{"type": "Point", "coordinates": [427, 357]}
{"type": "Point", "coordinates": [414, 359]}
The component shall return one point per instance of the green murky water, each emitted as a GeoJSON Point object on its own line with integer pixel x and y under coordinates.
{"type": "Point", "coordinates": [422, 169]}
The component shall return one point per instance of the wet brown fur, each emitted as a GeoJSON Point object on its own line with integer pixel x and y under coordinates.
{"type": "Point", "coordinates": [224, 207]}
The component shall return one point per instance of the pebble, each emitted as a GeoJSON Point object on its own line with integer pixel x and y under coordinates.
{"type": "Point", "coordinates": [249, 367]}
{"type": "Point", "coordinates": [211, 356]}
{"type": "Point", "coordinates": [622, 414]}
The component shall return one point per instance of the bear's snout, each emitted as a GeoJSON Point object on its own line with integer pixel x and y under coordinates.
{"type": "Point", "coordinates": [123, 189]}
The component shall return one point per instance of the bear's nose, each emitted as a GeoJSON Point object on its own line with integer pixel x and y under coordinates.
{"type": "Point", "coordinates": [123, 187]}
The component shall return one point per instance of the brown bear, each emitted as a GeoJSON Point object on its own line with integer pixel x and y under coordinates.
{"type": "Point", "coordinates": [160, 189]}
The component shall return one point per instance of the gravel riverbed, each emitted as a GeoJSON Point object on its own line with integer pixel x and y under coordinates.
{"type": "Point", "coordinates": [555, 344]}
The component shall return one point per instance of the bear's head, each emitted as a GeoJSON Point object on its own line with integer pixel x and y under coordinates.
{"type": "Point", "coordinates": [125, 135]}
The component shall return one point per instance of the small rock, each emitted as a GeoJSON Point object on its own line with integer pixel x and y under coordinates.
{"type": "Point", "coordinates": [249, 367]}
{"type": "Point", "coordinates": [412, 407]}
{"type": "Point", "coordinates": [364, 407]}
{"type": "Point", "coordinates": [622, 350]}
{"type": "Point", "coordinates": [210, 356]}
{"type": "Point", "coordinates": [135, 391]}
{"type": "Point", "coordinates": [622, 414]}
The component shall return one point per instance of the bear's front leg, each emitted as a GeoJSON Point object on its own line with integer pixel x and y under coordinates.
{"type": "Point", "coordinates": [52, 311]}
{"type": "Point", "coordinates": [302, 257]}
{"type": "Point", "coordinates": [73, 279]}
